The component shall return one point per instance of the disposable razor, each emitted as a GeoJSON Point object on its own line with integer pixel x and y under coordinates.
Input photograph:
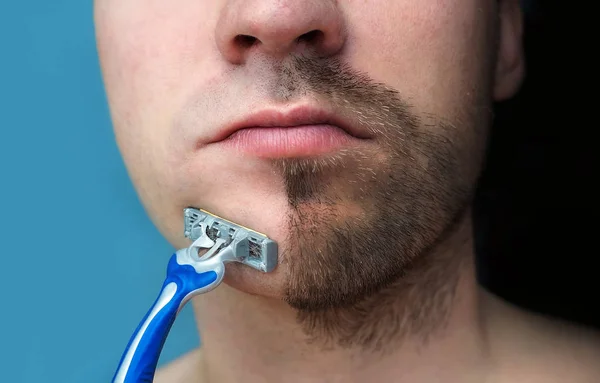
{"type": "Point", "coordinates": [195, 270]}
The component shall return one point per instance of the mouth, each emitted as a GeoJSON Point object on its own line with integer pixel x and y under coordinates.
{"type": "Point", "coordinates": [295, 133]}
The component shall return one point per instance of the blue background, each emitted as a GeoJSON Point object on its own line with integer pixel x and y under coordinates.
{"type": "Point", "coordinates": [81, 261]}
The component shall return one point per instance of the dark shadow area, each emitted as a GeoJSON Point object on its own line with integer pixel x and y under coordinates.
{"type": "Point", "coordinates": [535, 210]}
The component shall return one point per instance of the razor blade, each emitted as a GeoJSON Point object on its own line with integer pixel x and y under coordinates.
{"type": "Point", "coordinates": [261, 252]}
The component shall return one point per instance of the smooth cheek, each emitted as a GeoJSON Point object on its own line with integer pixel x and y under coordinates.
{"type": "Point", "coordinates": [150, 53]}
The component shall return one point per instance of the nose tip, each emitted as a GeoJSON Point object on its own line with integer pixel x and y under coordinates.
{"type": "Point", "coordinates": [279, 28]}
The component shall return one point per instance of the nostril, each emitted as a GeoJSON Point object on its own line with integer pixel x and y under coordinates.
{"type": "Point", "coordinates": [311, 37]}
{"type": "Point", "coordinates": [245, 41]}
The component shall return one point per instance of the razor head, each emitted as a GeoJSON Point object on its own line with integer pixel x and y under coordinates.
{"type": "Point", "coordinates": [261, 252]}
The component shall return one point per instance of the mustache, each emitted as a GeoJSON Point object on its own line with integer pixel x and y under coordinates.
{"type": "Point", "coordinates": [371, 103]}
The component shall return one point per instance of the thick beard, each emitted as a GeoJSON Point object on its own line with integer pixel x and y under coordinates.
{"type": "Point", "coordinates": [408, 190]}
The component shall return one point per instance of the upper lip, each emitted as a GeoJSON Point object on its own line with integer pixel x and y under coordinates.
{"type": "Point", "coordinates": [298, 116]}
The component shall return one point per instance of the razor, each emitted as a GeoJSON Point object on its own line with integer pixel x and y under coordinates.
{"type": "Point", "coordinates": [191, 271]}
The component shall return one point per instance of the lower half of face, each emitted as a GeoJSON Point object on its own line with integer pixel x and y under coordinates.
{"type": "Point", "coordinates": [354, 216]}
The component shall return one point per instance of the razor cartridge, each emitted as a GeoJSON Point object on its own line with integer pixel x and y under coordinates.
{"type": "Point", "coordinates": [261, 252]}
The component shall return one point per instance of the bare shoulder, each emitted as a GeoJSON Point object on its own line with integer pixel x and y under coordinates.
{"type": "Point", "coordinates": [187, 368]}
{"type": "Point", "coordinates": [532, 348]}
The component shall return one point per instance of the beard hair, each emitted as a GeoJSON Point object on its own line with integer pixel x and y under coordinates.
{"type": "Point", "coordinates": [406, 192]}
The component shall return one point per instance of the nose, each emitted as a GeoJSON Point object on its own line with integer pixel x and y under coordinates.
{"type": "Point", "coordinates": [278, 28]}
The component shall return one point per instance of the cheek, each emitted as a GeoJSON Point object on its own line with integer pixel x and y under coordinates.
{"type": "Point", "coordinates": [433, 51]}
{"type": "Point", "coordinates": [149, 52]}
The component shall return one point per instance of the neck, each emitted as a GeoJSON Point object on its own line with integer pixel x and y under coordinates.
{"type": "Point", "coordinates": [426, 323]}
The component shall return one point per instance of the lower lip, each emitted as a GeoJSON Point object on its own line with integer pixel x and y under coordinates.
{"type": "Point", "coordinates": [295, 141]}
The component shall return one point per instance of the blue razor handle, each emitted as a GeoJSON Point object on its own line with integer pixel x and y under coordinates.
{"type": "Point", "coordinates": [188, 274]}
{"type": "Point", "coordinates": [186, 277]}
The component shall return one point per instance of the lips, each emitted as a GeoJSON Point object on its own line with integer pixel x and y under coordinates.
{"type": "Point", "coordinates": [294, 133]}
{"type": "Point", "coordinates": [297, 117]}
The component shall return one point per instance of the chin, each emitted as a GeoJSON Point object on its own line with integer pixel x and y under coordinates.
{"type": "Point", "coordinates": [266, 215]}
{"type": "Point", "coordinates": [254, 282]}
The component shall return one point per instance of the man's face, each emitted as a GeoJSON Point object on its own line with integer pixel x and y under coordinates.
{"type": "Point", "coordinates": [394, 98]}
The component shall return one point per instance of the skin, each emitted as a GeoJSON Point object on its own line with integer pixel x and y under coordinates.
{"type": "Point", "coordinates": [420, 78]}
